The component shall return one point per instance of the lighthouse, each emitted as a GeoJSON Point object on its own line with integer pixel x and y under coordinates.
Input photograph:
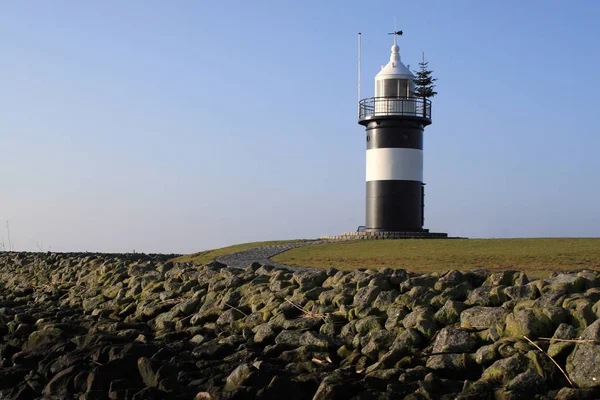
{"type": "Point", "coordinates": [395, 120]}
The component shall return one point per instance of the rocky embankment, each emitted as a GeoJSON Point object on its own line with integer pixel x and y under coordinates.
{"type": "Point", "coordinates": [138, 327]}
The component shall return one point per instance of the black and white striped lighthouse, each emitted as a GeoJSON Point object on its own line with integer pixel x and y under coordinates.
{"type": "Point", "coordinates": [394, 121]}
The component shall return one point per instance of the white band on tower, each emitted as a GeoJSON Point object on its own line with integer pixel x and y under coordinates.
{"type": "Point", "coordinates": [394, 164]}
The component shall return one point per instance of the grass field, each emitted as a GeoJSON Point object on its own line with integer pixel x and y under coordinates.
{"type": "Point", "coordinates": [205, 257]}
{"type": "Point", "coordinates": [537, 257]}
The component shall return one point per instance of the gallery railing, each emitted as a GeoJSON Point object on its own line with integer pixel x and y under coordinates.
{"type": "Point", "coordinates": [394, 106]}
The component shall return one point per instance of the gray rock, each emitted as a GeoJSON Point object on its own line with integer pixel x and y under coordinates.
{"type": "Point", "coordinates": [231, 299]}
{"type": "Point", "coordinates": [326, 297]}
{"type": "Point", "coordinates": [42, 339]}
{"type": "Point", "coordinates": [564, 331]}
{"type": "Point", "coordinates": [58, 384]}
{"type": "Point", "coordinates": [452, 339]}
{"type": "Point", "coordinates": [368, 324]}
{"type": "Point", "coordinates": [309, 279]}
{"type": "Point", "coordinates": [303, 323]}
{"type": "Point", "coordinates": [148, 370]}
{"type": "Point", "coordinates": [424, 280]}
{"type": "Point", "coordinates": [198, 339]}
{"type": "Point", "coordinates": [288, 337]}
{"type": "Point", "coordinates": [422, 320]}
{"type": "Point", "coordinates": [459, 292]}
{"type": "Point", "coordinates": [315, 339]}
{"type": "Point", "coordinates": [366, 295]}
{"type": "Point", "coordinates": [395, 316]}
{"type": "Point", "coordinates": [314, 293]}
{"type": "Point", "coordinates": [568, 283]}
{"type": "Point", "coordinates": [450, 312]}
{"type": "Point", "coordinates": [378, 343]}
{"type": "Point", "coordinates": [448, 362]}
{"type": "Point", "coordinates": [505, 370]}
{"type": "Point", "coordinates": [449, 280]}
{"type": "Point", "coordinates": [229, 316]}
{"type": "Point", "coordinates": [528, 322]}
{"type": "Point", "coordinates": [486, 355]}
{"type": "Point", "coordinates": [408, 339]}
{"type": "Point", "coordinates": [487, 296]}
{"type": "Point", "coordinates": [329, 329]}
{"type": "Point", "coordinates": [165, 321]}
{"type": "Point", "coordinates": [418, 296]}
{"type": "Point", "coordinates": [237, 377]}
{"type": "Point", "coordinates": [482, 317]}
{"type": "Point", "coordinates": [527, 382]}
{"type": "Point", "coordinates": [522, 292]}
{"type": "Point", "coordinates": [583, 365]}
{"type": "Point", "coordinates": [188, 307]}
{"type": "Point", "coordinates": [502, 278]}
{"type": "Point", "coordinates": [476, 276]}
{"type": "Point", "coordinates": [550, 297]}
{"type": "Point", "coordinates": [338, 385]}
{"type": "Point", "coordinates": [398, 276]}
{"type": "Point", "coordinates": [385, 299]}
{"type": "Point", "coordinates": [567, 393]}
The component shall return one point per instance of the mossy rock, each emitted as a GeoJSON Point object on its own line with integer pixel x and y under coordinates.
{"type": "Point", "coordinates": [528, 322]}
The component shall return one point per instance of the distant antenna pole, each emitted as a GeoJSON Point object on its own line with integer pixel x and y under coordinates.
{"type": "Point", "coordinates": [358, 74]}
{"type": "Point", "coordinates": [8, 231]}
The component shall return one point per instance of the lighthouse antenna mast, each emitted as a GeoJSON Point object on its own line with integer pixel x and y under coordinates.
{"type": "Point", "coordinates": [359, 74]}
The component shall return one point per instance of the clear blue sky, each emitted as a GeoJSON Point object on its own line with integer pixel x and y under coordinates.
{"type": "Point", "coordinates": [181, 126]}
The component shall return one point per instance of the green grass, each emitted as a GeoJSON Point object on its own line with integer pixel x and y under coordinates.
{"type": "Point", "coordinates": [205, 257]}
{"type": "Point", "coordinates": [537, 257]}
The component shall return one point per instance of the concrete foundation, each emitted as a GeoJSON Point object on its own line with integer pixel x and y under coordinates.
{"type": "Point", "coordinates": [387, 235]}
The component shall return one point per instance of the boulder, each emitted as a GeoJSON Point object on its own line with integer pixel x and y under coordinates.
{"type": "Point", "coordinates": [377, 343]}
{"type": "Point", "coordinates": [450, 312]}
{"type": "Point", "coordinates": [448, 363]}
{"type": "Point", "coordinates": [368, 324]}
{"type": "Point", "coordinates": [482, 317]}
{"type": "Point", "coordinates": [532, 323]}
{"type": "Point", "coordinates": [583, 365]}
{"type": "Point", "coordinates": [487, 296]}
{"type": "Point", "coordinates": [264, 334]}
{"type": "Point", "coordinates": [449, 280]}
{"type": "Point", "coordinates": [237, 377]}
{"type": "Point", "coordinates": [288, 337]}
{"type": "Point", "coordinates": [366, 295]}
{"type": "Point", "coordinates": [453, 339]}
{"type": "Point", "coordinates": [557, 348]}
{"type": "Point", "coordinates": [505, 370]}
{"type": "Point", "coordinates": [422, 320]}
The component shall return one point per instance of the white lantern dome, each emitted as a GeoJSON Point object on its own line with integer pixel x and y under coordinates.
{"type": "Point", "coordinates": [394, 79]}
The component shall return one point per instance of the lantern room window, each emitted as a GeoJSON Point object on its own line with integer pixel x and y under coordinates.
{"type": "Point", "coordinates": [392, 88]}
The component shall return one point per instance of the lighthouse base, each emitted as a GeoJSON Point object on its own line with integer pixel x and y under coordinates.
{"type": "Point", "coordinates": [373, 235]}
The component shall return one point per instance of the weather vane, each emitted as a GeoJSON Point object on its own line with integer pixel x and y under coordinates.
{"type": "Point", "coordinates": [395, 33]}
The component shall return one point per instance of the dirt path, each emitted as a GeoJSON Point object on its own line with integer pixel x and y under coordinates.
{"type": "Point", "coordinates": [263, 254]}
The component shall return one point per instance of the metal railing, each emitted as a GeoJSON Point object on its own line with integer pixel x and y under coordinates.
{"type": "Point", "coordinates": [394, 106]}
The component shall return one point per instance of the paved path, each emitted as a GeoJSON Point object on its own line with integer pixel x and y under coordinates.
{"type": "Point", "coordinates": [262, 255]}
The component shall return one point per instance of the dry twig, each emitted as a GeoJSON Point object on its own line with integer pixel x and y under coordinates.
{"type": "Point", "coordinates": [554, 361]}
{"type": "Point", "coordinates": [570, 340]}
{"type": "Point", "coordinates": [320, 362]}
{"type": "Point", "coordinates": [307, 313]}
{"type": "Point", "coordinates": [236, 309]}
